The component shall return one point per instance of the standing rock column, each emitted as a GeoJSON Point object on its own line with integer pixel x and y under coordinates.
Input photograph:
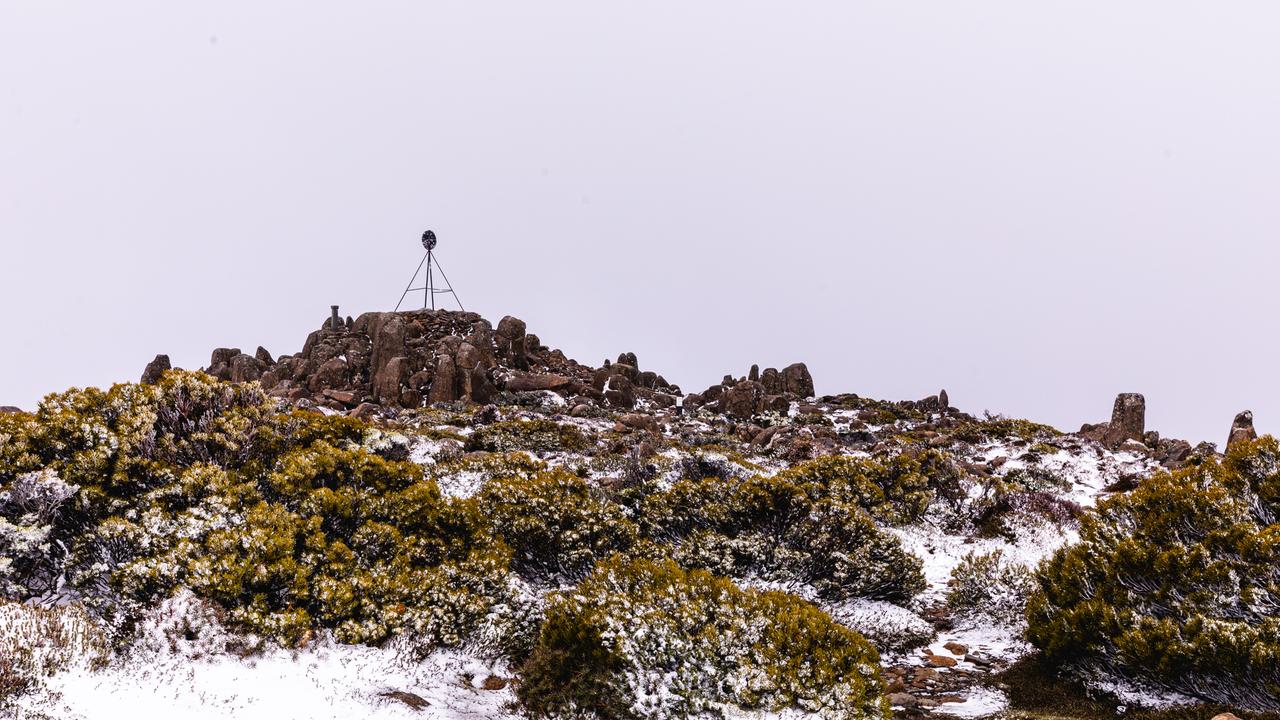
{"type": "Point", "coordinates": [1242, 429]}
{"type": "Point", "coordinates": [1128, 419]}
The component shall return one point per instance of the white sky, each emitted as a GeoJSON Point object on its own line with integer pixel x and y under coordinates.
{"type": "Point", "coordinates": [1033, 204]}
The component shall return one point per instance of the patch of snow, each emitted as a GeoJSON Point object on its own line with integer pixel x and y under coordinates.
{"type": "Point", "coordinates": [980, 702]}
{"type": "Point", "coordinates": [328, 680]}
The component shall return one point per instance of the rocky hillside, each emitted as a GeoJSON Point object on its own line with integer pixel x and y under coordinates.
{"type": "Point", "coordinates": [419, 515]}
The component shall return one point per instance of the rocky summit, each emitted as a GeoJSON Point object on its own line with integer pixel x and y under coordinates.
{"type": "Point", "coordinates": [422, 514]}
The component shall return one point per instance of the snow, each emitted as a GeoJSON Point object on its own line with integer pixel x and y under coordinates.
{"type": "Point", "coordinates": [326, 681]}
{"type": "Point", "coordinates": [179, 666]}
{"type": "Point", "coordinates": [981, 702]}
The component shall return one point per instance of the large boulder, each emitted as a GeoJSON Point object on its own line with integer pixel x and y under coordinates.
{"type": "Point", "coordinates": [509, 339]}
{"type": "Point", "coordinates": [246, 368]}
{"type": "Point", "coordinates": [743, 400]}
{"type": "Point", "coordinates": [333, 373]}
{"type": "Point", "coordinates": [444, 385]}
{"type": "Point", "coordinates": [620, 392]}
{"type": "Point", "coordinates": [155, 369]}
{"type": "Point", "coordinates": [797, 380]}
{"type": "Point", "coordinates": [388, 383]}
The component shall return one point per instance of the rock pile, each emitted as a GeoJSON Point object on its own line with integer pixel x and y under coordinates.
{"type": "Point", "coordinates": [415, 358]}
{"type": "Point", "coordinates": [757, 392]}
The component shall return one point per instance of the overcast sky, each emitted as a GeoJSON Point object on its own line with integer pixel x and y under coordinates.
{"type": "Point", "coordinates": [1035, 205]}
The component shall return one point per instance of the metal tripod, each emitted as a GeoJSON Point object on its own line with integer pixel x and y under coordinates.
{"type": "Point", "coordinates": [429, 289]}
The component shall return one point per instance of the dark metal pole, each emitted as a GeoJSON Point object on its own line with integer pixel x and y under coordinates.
{"type": "Point", "coordinates": [430, 291]}
{"type": "Point", "coordinates": [410, 285]}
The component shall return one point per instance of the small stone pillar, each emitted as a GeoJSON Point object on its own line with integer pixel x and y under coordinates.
{"type": "Point", "coordinates": [335, 322]}
{"type": "Point", "coordinates": [1128, 419]}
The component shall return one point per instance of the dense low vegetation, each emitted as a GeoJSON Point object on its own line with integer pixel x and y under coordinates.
{"type": "Point", "coordinates": [643, 639]}
{"type": "Point", "coordinates": [1176, 584]}
{"type": "Point", "coordinates": [294, 522]}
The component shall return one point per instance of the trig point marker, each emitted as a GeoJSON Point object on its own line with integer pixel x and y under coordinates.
{"type": "Point", "coordinates": [429, 289]}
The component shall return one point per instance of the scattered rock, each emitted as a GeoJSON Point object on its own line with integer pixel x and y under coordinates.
{"type": "Point", "coordinates": [939, 661]}
{"type": "Point", "coordinates": [956, 648]}
{"type": "Point", "coordinates": [907, 700]}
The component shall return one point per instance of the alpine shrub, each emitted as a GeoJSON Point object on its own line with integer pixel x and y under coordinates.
{"type": "Point", "coordinates": [643, 639]}
{"type": "Point", "coordinates": [1176, 583]}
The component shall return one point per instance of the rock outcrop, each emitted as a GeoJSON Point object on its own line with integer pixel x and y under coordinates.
{"type": "Point", "coordinates": [1128, 424]}
{"type": "Point", "coordinates": [410, 359]}
{"type": "Point", "coordinates": [758, 392]}
{"type": "Point", "coordinates": [155, 369]}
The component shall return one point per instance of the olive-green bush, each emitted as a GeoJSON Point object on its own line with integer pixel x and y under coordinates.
{"type": "Point", "coordinates": [784, 529]}
{"type": "Point", "coordinates": [528, 435]}
{"type": "Point", "coordinates": [289, 520]}
{"type": "Point", "coordinates": [557, 524]}
{"type": "Point", "coordinates": [644, 639]}
{"type": "Point", "coordinates": [1176, 583]}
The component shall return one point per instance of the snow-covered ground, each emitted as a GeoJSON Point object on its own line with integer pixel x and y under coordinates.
{"type": "Point", "coordinates": [175, 672]}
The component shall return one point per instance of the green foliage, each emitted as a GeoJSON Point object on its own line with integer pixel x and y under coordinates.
{"type": "Point", "coordinates": [529, 435]}
{"type": "Point", "coordinates": [894, 489]}
{"type": "Point", "coordinates": [784, 529]}
{"type": "Point", "coordinates": [557, 524]}
{"type": "Point", "coordinates": [999, 428]}
{"type": "Point", "coordinates": [1176, 583]}
{"type": "Point", "coordinates": [648, 639]}
{"type": "Point", "coordinates": [290, 521]}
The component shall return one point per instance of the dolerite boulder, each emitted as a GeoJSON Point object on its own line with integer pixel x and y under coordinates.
{"type": "Point", "coordinates": [246, 368]}
{"type": "Point", "coordinates": [797, 381]}
{"type": "Point", "coordinates": [155, 369]}
{"type": "Point", "coordinates": [220, 362]}
{"type": "Point", "coordinates": [1242, 429]}
{"type": "Point", "coordinates": [743, 400]}
{"type": "Point", "coordinates": [510, 342]}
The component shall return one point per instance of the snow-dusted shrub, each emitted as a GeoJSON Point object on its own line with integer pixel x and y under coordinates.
{"type": "Point", "coordinates": [530, 435]}
{"type": "Point", "coordinates": [557, 525]}
{"type": "Point", "coordinates": [889, 627]}
{"type": "Point", "coordinates": [779, 530]}
{"type": "Point", "coordinates": [986, 585]}
{"type": "Point", "coordinates": [31, 557]}
{"type": "Point", "coordinates": [642, 639]}
{"type": "Point", "coordinates": [1020, 498]}
{"type": "Point", "coordinates": [184, 626]}
{"type": "Point", "coordinates": [1176, 583]}
{"type": "Point", "coordinates": [36, 642]}
{"type": "Point", "coordinates": [995, 427]}
{"type": "Point", "coordinates": [896, 489]}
